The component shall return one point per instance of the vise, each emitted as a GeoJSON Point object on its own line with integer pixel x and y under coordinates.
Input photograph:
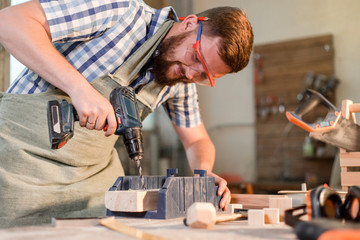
{"type": "Point", "coordinates": [175, 195]}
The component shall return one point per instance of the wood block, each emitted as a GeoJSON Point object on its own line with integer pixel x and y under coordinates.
{"type": "Point", "coordinates": [271, 215]}
{"type": "Point", "coordinates": [348, 110]}
{"type": "Point", "coordinates": [232, 206]}
{"type": "Point", "coordinates": [201, 215]}
{"type": "Point", "coordinates": [282, 204]}
{"type": "Point", "coordinates": [256, 217]}
{"type": "Point", "coordinates": [354, 108]}
{"type": "Point", "coordinates": [254, 201]}
{"type": "Point", "coordinates": [131, 200]}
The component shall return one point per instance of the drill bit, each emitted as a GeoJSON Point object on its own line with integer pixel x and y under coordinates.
{"type": "Point", "coordinates": [140, 173]}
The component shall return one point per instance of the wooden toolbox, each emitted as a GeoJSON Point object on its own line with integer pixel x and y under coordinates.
{"type": "Point", "coordinates": [349, 161]}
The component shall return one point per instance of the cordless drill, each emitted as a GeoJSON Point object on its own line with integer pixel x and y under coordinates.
{"type": "Point", "coordinates": [62, 115]}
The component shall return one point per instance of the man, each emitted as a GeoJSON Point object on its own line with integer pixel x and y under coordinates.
{"type": "Point", "coordinates": [80, 50]}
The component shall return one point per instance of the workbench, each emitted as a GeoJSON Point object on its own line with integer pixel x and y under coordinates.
{"type": "Point", "coordinates": [169, 229]}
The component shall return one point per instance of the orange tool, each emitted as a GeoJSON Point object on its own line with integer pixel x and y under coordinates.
{"type": "Point", "coordinates": [330, 129]}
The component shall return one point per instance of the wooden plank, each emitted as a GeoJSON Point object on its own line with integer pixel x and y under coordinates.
{"type": "Point", "coordinates": [350, 178]}
{"type": "Point", "coordinates": [171, 228]}
{"type": "Point", "coordinates": [349, 161]}
{"type": "Point", "coordinates": [76, 222]}
{"type": "Point", "coordinates": [132, 200]}
{"type": "Point", "coordinates": [254, 201]}
{"type": "Point", "coordinates": [354, 108]}
{"type": "Point", "coordinates": [350, 155]}
{"type": "Point", "coordinates": [115, 225]}
{"type": "Point", "coordinates": [300, 43]}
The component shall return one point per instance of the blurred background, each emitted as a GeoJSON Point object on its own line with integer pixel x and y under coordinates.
{"type": "Point", "coordinates": [298, 44]}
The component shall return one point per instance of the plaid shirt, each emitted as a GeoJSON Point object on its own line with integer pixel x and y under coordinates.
{"type": "Point", "coordinates": [96, 37]}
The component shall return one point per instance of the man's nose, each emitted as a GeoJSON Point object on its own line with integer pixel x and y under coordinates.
{"type": "Point", "coordinates": [192, 72]}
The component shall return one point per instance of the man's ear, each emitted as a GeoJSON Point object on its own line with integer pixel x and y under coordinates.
{"type": "Point", "coordinates": [189, 23]}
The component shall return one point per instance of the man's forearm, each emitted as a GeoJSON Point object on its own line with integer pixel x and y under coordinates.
{"type": "Point", "coordinates": [201, 155]}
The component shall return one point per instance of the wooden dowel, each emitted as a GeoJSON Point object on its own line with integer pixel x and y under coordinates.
{"type": "Point", "coordinates": [355, 107]}
{"type": "Point", "coordinates": [229, 217]}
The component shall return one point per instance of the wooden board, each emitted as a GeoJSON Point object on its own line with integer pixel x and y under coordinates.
{"type": "Point", "coordinates": [350, 161]}
{"type": "Point", "coordinates": [76, 222]}
{"type": "Point", "coordinates": [350, 179]}
{"type": "Point", "coordinates": [171, 228]}
{"type": "Point", "coordinates": [132, 200]}
{"type": "Point", "coordinates": [254, 201]}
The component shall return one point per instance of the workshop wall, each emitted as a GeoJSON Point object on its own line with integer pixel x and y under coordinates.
{"type": "Point", "coordinates": [275, 21]}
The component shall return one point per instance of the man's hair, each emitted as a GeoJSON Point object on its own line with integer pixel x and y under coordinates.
{"type": "Point", "coordinates": [235, 31]}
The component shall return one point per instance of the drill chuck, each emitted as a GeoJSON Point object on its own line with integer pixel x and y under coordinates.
{"type": "Point", "coordinates": [132, 138]}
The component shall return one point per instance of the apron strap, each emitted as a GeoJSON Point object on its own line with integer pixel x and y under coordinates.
{"type": "Point", "coordinates": [132, 66]}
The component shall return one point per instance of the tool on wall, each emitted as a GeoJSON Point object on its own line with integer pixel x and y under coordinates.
{"type": "Point", "coordinates": [320, 83]}
{"type": "Point", "coordinates": [333, 128]}
{"type": "Point", "coordinates": [62, 115]}
{"type": "Point", "coordinates": [326, 211]}
{"type": "Point", "coordinates": [259, 72]}
{"type": "Point", "coordinates": [308, 83]}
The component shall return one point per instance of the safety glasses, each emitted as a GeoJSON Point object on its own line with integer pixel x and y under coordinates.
{"type": "Point", "coordinates": [196, 47]}
{"type": "Point", "coordinates": [204, 78]}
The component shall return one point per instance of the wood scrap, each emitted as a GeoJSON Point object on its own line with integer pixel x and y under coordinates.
{"type": "Point", "coordinates": [132, 200]}
{"type": "Point", "coordinates": [115, 225]}
{"type": "Point", "coordinates": [254, 201]}
{"type": "Point", "coordinates": [256, 217]}
{"type": "Point", "coordinates": [76, 222]}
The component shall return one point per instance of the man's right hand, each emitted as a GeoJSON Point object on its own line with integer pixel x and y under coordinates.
{"type": "Point", "coordinates": [94, 110]}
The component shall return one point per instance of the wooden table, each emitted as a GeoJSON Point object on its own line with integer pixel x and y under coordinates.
{"type": "Point", "coordinates": [170, 229]}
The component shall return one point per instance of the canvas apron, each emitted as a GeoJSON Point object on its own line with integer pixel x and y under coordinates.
{"type": "Point", "coordinates": [36, 182]}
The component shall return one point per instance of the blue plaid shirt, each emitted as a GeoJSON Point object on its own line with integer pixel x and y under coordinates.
{"type": "Point", "coordinates": [96, 37]}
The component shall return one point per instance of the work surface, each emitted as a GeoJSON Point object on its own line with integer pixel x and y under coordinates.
{"type": "Point", "coordinates": [169, 229]}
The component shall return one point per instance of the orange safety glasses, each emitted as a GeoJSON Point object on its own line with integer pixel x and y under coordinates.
{"type": "Point", "coordinates": [196, 46]}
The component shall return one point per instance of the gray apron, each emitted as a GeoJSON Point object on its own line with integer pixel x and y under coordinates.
{"type": "Point", "coordinates": [36, 182]}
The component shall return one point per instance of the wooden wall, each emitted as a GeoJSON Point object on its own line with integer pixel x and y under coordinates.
{"type": "Point", "coordinates": [4, 59]}
{"type": "Point", "coordinates": [280, 72]}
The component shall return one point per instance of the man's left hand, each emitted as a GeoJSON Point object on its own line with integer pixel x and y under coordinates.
{"type": "Point", "coordinates": [223, 190]}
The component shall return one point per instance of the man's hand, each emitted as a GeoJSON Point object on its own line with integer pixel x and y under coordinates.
{"type": "Point", "coordinates": [94, 110]}
{"type": "Point", "coordinates": [222, 191]}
